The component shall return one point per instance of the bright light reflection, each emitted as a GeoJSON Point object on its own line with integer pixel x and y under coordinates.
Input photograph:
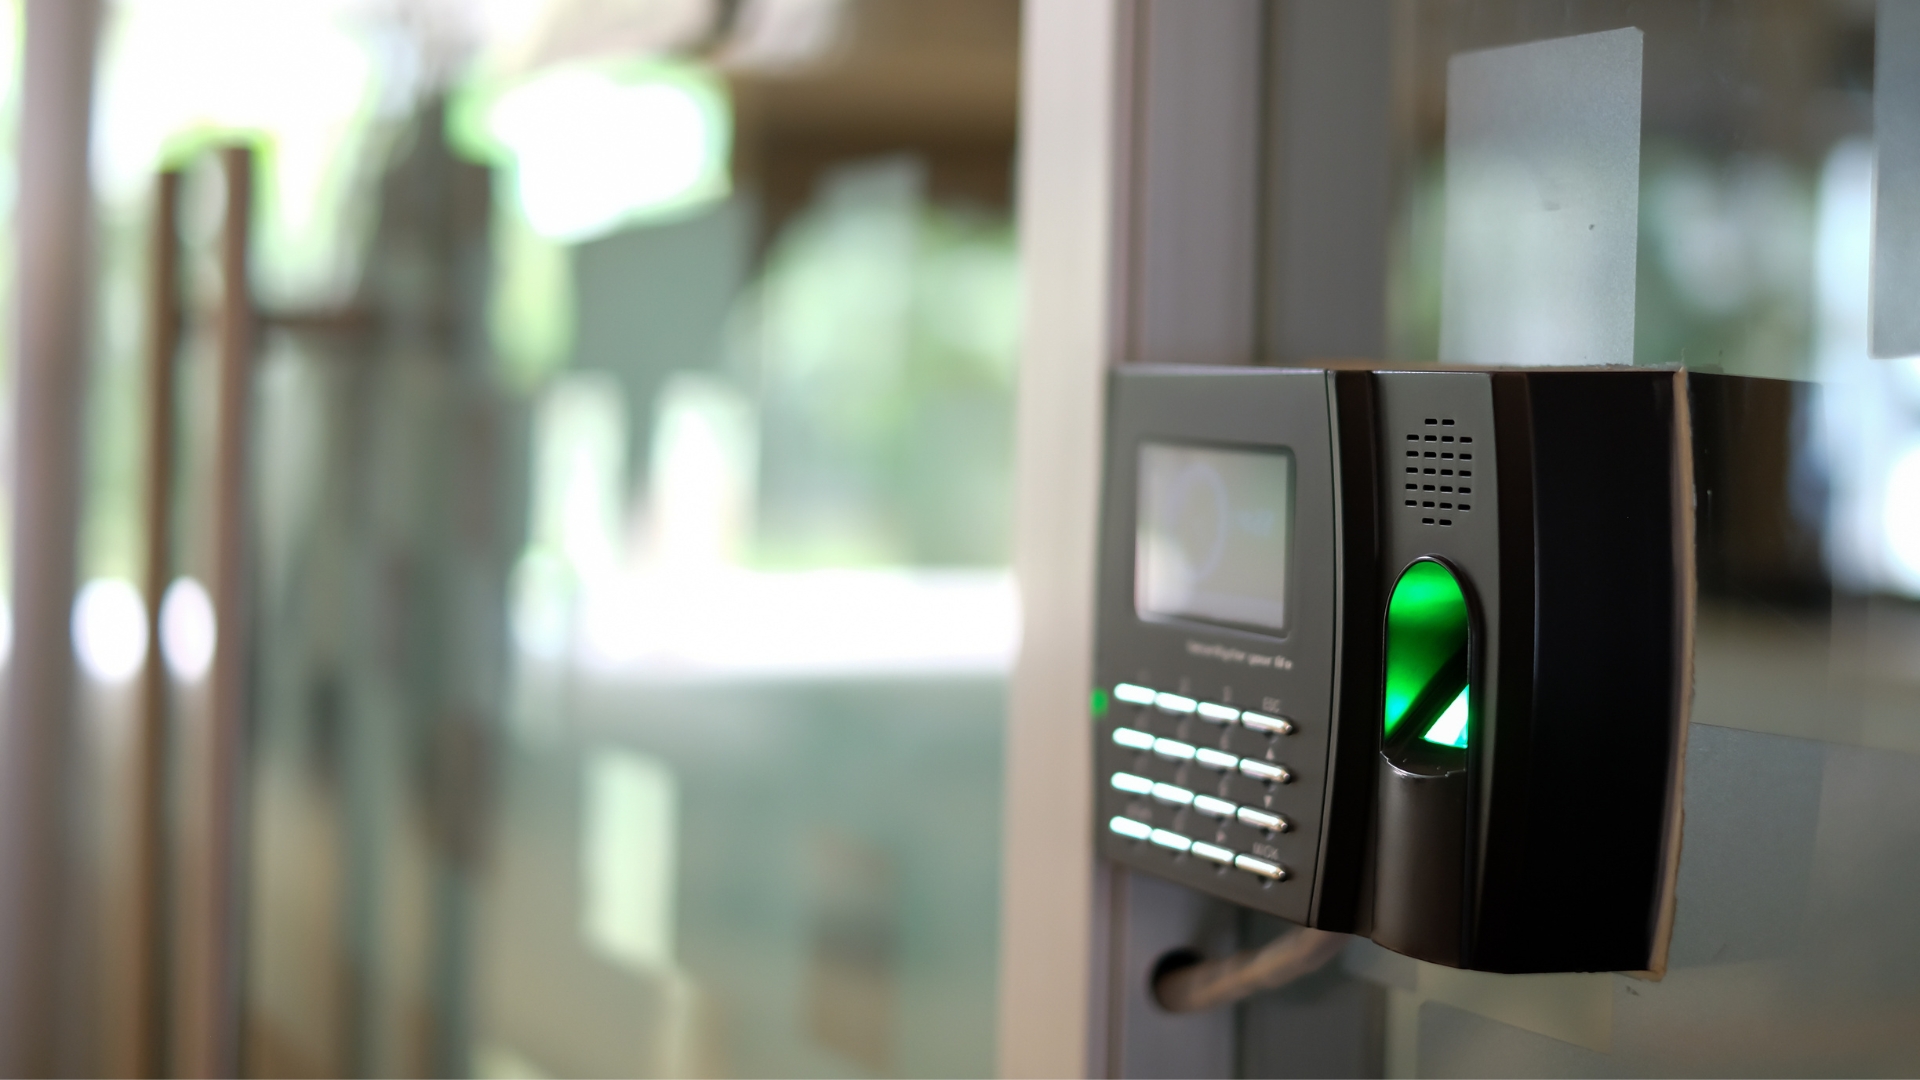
{"type": "Point", "coordinates": [592, 152]}
{"type": "Point", "coordinates": [542, 590]}
{"type": "Point", "coordinates": [580, 438]}
{"type": "Point", "coordinates": [1901, 517]}
{"type": "Point", "coordinates": [1451, 728]}
{"type": "Point", "coordinates": [1866, 431]}
{"type": "Point", "coordinates": [815, 623]}
{"type": "Point", "coordinates": [701, 488]}
{"type": "Point", "coordinates": [110, 629]}
{"type": "Point", "coordinates": [628, 856]}
{"type": "Point", "coordinates": [188, 631]}
{"type": "Point", "coordinates": [304, 78]}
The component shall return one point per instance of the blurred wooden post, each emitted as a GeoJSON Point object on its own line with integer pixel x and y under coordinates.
{"type": "Point", "coordinates": [207, 1022]}
{"type": "Point", "coordinates": [51, 216]}
{"type": "Point", "coordinates": [231, 679]}
{"type": "Point", "coordinates": [149, 962]}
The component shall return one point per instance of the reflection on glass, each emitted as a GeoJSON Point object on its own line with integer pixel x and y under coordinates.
{"type": "Point", "coordinates": [629, 859]}
{"type": "Point", "coordinates": [1758, 136]}
{"type": "Point", "coordinates": [1542, 202]}
{"type": "Point", "coordinates": [1869, 425]}
{"type": "Point", "coordinates": [592, 148]}
{"type": "Point", "coordinates": [1212, 534]}
{"type": "Point", "coordinates": [763, 591]}
{"type": "Point", "coordinates": [188, 630]}
{"type": "Point", "coordinates": [109, 629]}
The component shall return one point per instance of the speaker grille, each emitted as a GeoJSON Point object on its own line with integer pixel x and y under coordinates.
{"type": "Point", "coordinates": [1437, 484]}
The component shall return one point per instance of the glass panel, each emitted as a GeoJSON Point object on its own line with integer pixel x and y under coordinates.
{"type": "Point", "coordinates": [628, 500]}
{"type": "Point", "coordinates": [1766, 152]}
{"type": "Point", "coordinates": [1542, 177]}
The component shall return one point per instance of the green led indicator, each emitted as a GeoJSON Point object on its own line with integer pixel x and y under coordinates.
{"type": "Point", "coordinates": [1099, 703]}
{"type": "Point", "coordinates": [1427, 630]}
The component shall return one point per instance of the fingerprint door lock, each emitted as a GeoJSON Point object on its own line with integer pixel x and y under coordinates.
{"type": "Point", "coordinates": [1402, 653]}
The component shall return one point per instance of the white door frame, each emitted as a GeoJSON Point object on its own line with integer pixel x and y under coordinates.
{"type": "Point", "coordinates": [1140, 165]}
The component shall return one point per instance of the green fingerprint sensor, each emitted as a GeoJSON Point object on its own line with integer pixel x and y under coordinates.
{"type": "Point", "coordinates": [1428, 628]}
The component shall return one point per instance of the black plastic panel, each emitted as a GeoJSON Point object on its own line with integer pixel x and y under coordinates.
{"type": "Point", "coordinates": [1290, 675]}
{"type": "Point", "coordinates": [1555, 497]}
{"type": "Point", "coordinates": [1437, 437]}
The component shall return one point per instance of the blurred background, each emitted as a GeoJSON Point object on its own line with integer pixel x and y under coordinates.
{"type": "Point", "coordinates": [537, 548]}
{"type": "Point", "coordinates": [625, 463]}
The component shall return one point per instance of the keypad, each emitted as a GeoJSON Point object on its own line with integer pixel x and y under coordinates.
{"type": "Point", "coordinates": [1213, 807]}
{"type": "Point", "coordinates": [1172, 795]}
{"type": "Point", "coordinates": [1260, 770]}
{"type": "Point", "coordinates": [1173, 750]}
{"type": "Point", "coordinates": [1221, 855]}
{"type": "Point", "coordinates": [1134, 829]}
{"type": "Point", "coordinates": [1215, 759]}
{"type": "Point", "coordinates": [1260, 819]}
{"type": "Point", "coordinates": [1210, 711]}
{"type": "Point", "coordinates": [1218, 714]}
{"type": "Point", "coordinates": [1261, 867]}
{"type": "Point", "coordinates": [1272, 725]}
{"type": "Point", "coordinates": [1167, 838]}
{"type": "Point", "coordinates": [1179, 798]}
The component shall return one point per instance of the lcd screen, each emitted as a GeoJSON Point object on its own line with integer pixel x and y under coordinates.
{"type": "Point", "coordinates": [1211, 540]}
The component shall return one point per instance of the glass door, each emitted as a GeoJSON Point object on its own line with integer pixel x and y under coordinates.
{"type": "Point", "coordinates": [621, 602]}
